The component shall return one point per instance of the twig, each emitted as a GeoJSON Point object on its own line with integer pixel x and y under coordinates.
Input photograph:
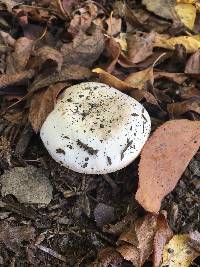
{"type": "Point", "coordinates": [52, 253]}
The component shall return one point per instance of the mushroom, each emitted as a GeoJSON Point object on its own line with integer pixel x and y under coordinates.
{"type": "Point", "coordinates": [95, 129]}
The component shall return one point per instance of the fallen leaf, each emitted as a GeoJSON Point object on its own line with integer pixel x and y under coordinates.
{"type": "Point", "coordinates": [187, 14]}
{"type": "Point", "coordinates": [163, 160]}
{"type": "Point", "coordinates": [140, 46]}
{"type": "Point", "coordinates": [188, 92]}
{"type": "Point", "coordinates": [191, 43]}
{"type": "Point", "coordinates": [113, 50]}
{"type": "Point", "coordinates": [162, 236]}
{"type": "Point", "coordinates": [11, 79]}
{"type": "Point", "coordinates": [67, 73]}
{"type": "Point", "coordinates": [140, 78]}
{"type": "Point", "coordinates": [42, 103]}
{"type": "Point", "coordinates": [136, 244]}
{"type": "Point", "coordinates": [83, 18]}
{"type": "Point", "coordinates": [178, 253]}
{"type": "Point", "coordinates": [84, 49]}
{"type": "Point", "coordinates": [14, 236]}
{"type": "Point", "coordinates": [7, 38]}
{"type": "Point", "coordinates": [113, 81]}
{"type": "Point", "coordinates": [162, 8]}
{"type": "Point", "coordinates": [47, 54]}
{"type": "Point", "coordinates": [114, 25]}
{"type": "Point", "coordinates": [194, 240]}
{"type": "Point", "coordinates": [175, 77]}
{"type": "Point", "coordinates": [122, 41]}
{"type": "Point", "coordinates": [22, 53]}
{"type": "Point", "coordinates": [179, 108]}
{"type": "Point", "coordinates": [193, 64]}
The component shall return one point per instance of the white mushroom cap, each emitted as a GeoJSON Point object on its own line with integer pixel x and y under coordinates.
{"type": "Point", "coordinates": [95, 129]}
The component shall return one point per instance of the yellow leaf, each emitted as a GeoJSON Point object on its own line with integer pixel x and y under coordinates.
{"type": "Point", "coordinates": [191, 43]}
{"type": "Point", "coordinates": [178, 253]}
{"type": "Point", "coordinates": [139, 79]}
{"type": "Point", "coordinates": [122, 41]}
{"type": "Point", "coordinates": [186, 1]}
{"type": "Point", "coordinates": [187, 14]}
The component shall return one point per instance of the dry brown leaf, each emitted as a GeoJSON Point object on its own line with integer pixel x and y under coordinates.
{"type": "Point", "coordinates": [176, 77]}
{"type": "Point", "coordinates": [193, 64]}
{"type": "Point", "coordinates": [162, 236]}
{"type": "Point", "coordinates": [140, 78]}
{"type": "Point", "coordinates": [163, 160]}
{"type": "Point", "coordinates": [84, 49]}
{"type": "Point", "coordinates": [10, 79]}
{"type": "Point", "coordinates": [67, 73]}
{"type": "Point", "coordinates": [136, 245]}
{"type": "Point", "coordinates": [83, 18]}
{"type": "Point", "coordinates": [114, 25]}
{"type": "Point", "coordinates": [113, 50]}
{"type": "Point", "coordinates": [113, 81]}
{"type": "Point", "coordinates": [42, 103]}
{"type": "Point", "coordinates": [189, 92]}
{"type": "Point", "coordinates": [140, 46]}
{"type": "Point", "coordinates": [179, 108]}
{"type": "Point", "coordinates": [47, 54]}
{"type": "Point", "coordinates": [22, 53]}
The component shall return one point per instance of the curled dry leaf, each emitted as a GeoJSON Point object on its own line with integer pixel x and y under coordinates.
{"type": "Point", "coordinates": [13, 236]}
{"type": "Point", "coordinates": [140, 78]}
{"type": "Point", "coordinates": [11, 79]}
{"type": "Point", "coordinates": [193, 64]}
{"type": "Point", "coordinates": [179, 108]}
{"type": "Point", "coordinates": [83, 18]}
{"type": "Point", "coordinates": [191, 43]}
{"type": "Point", "coordinates": [140, 46]}
{"type": "Point", "coordinates": [113, 50]}
{"type": "Point", "coordinates": [22, 53]}
{"type": "Point", "coordinates": [136, 244]}
{"type": "Point", "coordinates": [178, 252]}
{"type": "Point", "coordinates": [162, 236]}
{"type": "Point", "coordinates": [113, 81]}
{"type": "Point", "coordinates": [47, 53]}
{"type": "Point", "coordinates": [114, 25]}
{"type": "Point", "coordinates": [175, 77]}
{"type": "Point", "coordinates": [164, 159]}
{"type": "Point", "coordinates": [84, 49]}
{"type": "Point", "coordinates": [42, 103]}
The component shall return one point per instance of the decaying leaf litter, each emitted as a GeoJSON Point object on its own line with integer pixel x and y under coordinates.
{"type": "Point", "coordinates": [147, 49]}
